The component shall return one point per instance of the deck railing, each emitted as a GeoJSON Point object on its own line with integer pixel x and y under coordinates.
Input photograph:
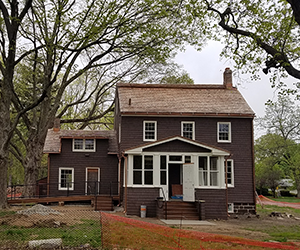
{"type": "Point", "coordinates": [55, 189]}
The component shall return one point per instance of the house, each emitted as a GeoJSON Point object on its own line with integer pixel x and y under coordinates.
{"type": "Point", "coordinates": [190, 143]}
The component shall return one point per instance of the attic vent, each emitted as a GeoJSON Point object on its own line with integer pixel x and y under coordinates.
{"type": "Point", "coordinates": [129, 101]}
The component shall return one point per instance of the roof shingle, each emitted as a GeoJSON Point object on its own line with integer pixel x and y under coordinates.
{"type": "Point", "coordinates": [53, 139]}
{"type": "Point", "coordinates": [168, 99]}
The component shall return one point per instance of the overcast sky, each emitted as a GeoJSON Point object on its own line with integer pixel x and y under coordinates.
{"type": "Point", "coordinates": [206, 67]}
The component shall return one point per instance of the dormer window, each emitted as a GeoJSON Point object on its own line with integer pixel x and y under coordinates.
{"type": "Point", "coordinates": [149, 130]}
{"type": "Point", "coordinates": [188, 130]}
{"type": "Point", "coordinates": [86, 145]}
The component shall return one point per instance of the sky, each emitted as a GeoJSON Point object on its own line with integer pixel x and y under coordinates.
{"type": "Point", "coordinates": [206, 67]}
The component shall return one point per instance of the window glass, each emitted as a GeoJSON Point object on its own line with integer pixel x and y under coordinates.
{"type": "Point", "coordinates": [78, 143]}
{"type": "Point", "coordinates": [137, 162]}
{"type": "Point", "coordinates": [187, 159]}
{"type": "Point", "coordinates": [224, 132]}
{"type": "Point", "coordinates": [208, 173]}
{"type": "Point", "coordinates": [188, 130]}
{"type": "Point", "coordinates": [175, 158]}
{"type": "Point", "coordinates": [148, 162]}
{"type": "Point", "coordinates": [163, 170]}
{"type": "Point", "coordinates": [66, 178]}
{"type": "Point", "coordinates": [149, 131]}
{"type": "Point", "coordinates": [89, 144]}
{"type": "Point", "coordinates": [148, 165]}
{"type": "Point", "coordinates": [229, 172]}
{"type": "Point", "coordinates": [137, 169]}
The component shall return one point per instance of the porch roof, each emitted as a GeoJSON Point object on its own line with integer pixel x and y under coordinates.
{"type": "Point", "coordinates": [213, 149]}
{"type": "Point", "coordinates": [53, 139]}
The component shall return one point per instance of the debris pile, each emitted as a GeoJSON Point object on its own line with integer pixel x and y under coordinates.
{"type": "Point", "coordinates": [38, 209]}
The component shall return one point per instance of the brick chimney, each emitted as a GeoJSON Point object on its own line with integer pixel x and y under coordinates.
{"type": "Point", "coordinates": [56, 125]}
{"type": "Point", "coordinates": [227, 78]}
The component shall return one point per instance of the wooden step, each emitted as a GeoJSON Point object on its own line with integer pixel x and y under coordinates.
{"type": "Point", "coordinates": [103, 203]}
{"type": "Point", "coordinates": [179, 210]}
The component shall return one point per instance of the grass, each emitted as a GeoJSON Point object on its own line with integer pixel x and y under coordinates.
{"type": "Point", "coordinates": [280, 232]}
{"type": "Point", "coordinates": [286, 199]}
{"type": "Point", "coordinates": [4, 213]}
{"type": "Point", "coordinates": [79, 234]}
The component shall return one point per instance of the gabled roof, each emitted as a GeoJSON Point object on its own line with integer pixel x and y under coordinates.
{"type": "Point", "coordinates": [214, 150]}
{"type": "Point", "coordinates": [182, 100]}
{"type": "Point", "coordinates": [53, 139]}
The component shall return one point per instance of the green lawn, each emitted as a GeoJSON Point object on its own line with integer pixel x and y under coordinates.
{"type": "Point", "coordinates": [286, 199]}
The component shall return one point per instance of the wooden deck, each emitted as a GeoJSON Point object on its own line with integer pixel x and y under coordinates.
{"type": "Point", "coordinates": [99, 202]}
{"type": "Point", "coordinates": [52, 199]}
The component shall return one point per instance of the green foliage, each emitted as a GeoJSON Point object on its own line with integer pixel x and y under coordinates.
{"type": "Point", "coordinates": [257, 34]}
{"type": "Point", "coordinates": [270, 152]}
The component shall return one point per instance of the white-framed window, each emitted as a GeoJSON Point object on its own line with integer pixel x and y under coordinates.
{"type": "Point", "coordinates": [230, 208]}
{"type": "Point", "coordinates": [87, 145]}
{"type": "Point", "coordinates": [149, 131]}
{"type": "Point", "coordinates": [163, 170]}
{"type": "Point", "coordinates": [66, 179]}
{"type": "Point", "coordinates": [208, 171]}
{"type": "Point", "coordinates": [224, 132]}
{"type": "Point", "coordinates": [230, 173]}
{"type": "Point", "coordinates": [143, 170]}
{"type": "Point", "coordinates": [188, 130]}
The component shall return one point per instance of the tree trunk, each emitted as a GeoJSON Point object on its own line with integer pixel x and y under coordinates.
{"type": "Point", "coordinates": [34, 147]}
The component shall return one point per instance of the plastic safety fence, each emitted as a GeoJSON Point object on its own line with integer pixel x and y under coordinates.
{"type": "Point", "coordinates": [266, 201]}
{"type": "Point", "coordinates": [124, 233]}
{"type": "Point", "coordinates": [54, 227]}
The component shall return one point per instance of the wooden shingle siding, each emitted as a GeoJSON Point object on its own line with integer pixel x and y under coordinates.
{"type": "Point", "coordinates": [108, 165]}
{"type": "Point", "coordinates": [176, 146]}
{"type": "Point", "coordinates": [142, 196]}
{"type": "Point", "coordinates": [215, 203]}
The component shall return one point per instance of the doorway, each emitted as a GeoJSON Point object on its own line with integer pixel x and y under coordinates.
{"type": "Point", "coordinates": [92, 181]}
{"type": "Point", "coordinates": [175, 179]}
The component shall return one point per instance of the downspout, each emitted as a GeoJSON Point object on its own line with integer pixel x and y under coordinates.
{"type": "Point", "coordinates": [119, 179]}
{"type": "Point", "coordinates": [48, 177]}
{"type": "Point", "coordinates": [125, 188]}
{"type": "Point", "coordinates": [253, 166]}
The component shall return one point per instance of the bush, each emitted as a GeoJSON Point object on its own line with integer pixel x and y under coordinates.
{"type": "Point", "coordinates": [262, 191]}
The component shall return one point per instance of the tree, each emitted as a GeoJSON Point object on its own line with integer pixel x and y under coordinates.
{"type": "Point", "coordinates": [257, 33]}
{"type": "Point", "coordinates": [61, 43]}
{"type": "Point", "coordinates": [292, 164]}
{"type": "Point", "coordinates": [270, 153]}
{"type": "Point", "coordinates": [283, 118]}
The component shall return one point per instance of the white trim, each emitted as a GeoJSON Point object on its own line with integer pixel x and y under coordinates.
{"type": "Point", "coordinates": [86, 176]}
{"type": "Point", "coordinates": [59, 179]}
{"type": "Point", "coordinates": [83, 144]}
{"type": "Point", "coordinates": [229, 131]}
{"type": "Point", "coordinates": [144, 131]}
{"type": "Point", "coordinates": [193, 131]}
{"type": "Point", "coordinates": [230, 208]}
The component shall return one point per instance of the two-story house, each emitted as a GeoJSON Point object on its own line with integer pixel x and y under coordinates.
{"type": "Point", "coordinates": [172, 142]}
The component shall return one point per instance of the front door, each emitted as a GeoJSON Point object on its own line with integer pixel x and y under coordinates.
{"type": "Point", "coordinates": [92, 181]}
{"type": "Point", "coordinates": [175, 187]}
{"type": "Point", "coordinates": [188, 182]}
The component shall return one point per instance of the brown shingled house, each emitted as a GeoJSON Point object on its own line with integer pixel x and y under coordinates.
{"type": "Point", "coordinates": [177, 148]}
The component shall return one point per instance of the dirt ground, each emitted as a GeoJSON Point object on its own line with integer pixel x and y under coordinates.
{"type": "Point", "coordinates": [70, 215]}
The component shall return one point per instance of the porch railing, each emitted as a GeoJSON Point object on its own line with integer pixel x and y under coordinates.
{"type": "Point", "coordinates": [55, 189]}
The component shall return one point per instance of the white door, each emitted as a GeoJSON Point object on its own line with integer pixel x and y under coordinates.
{"type": "Point", "coordinates": [188, 182]}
